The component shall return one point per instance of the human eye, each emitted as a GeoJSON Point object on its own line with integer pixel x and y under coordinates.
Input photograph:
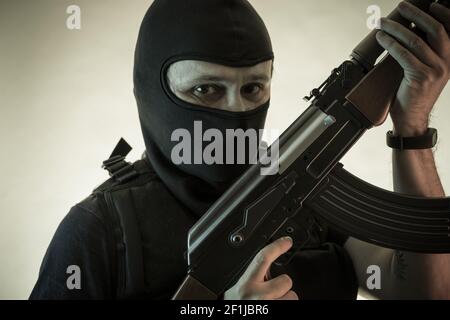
{"type": "Point", "coordinates": [208, 92]}
{"type": "Point", "coordinates": [252, 91]}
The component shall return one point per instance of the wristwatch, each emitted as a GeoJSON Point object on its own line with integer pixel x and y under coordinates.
{"type": "Point", "coordinates": [426, 141]}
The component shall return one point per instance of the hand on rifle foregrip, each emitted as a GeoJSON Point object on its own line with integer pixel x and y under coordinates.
{"type": "Point", "coordinates": [254, 285]}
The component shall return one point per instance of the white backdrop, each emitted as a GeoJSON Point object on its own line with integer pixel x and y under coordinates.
{"type": "Point", "coordinates": [66, 98]}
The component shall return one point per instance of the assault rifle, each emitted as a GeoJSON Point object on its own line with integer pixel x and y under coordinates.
{"type": "Point", "coordinates": [312, 187]}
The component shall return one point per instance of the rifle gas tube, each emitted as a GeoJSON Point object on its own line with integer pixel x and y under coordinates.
{"type": "Point", "coordinates": [312, 188]}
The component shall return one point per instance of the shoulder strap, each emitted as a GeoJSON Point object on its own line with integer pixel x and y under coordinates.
{"type": "Point", "coordinates": [123, 225]}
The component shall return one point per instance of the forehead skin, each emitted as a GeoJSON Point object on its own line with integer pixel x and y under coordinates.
{"type": "Point", "coordinates": [187, 73]}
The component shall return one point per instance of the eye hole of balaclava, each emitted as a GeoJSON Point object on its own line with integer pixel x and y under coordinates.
{"type": "Point", "coordinates": [220, 87]}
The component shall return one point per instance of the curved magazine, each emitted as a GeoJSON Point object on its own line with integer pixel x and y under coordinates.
{"type": "Point", "coordinates": [381, 217]}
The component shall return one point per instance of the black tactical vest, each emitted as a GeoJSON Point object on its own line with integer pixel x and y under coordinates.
{"type": "Point", "coordinates": [148, 229]}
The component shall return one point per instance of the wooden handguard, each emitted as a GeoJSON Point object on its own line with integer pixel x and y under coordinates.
{"type": "Point", "coordinates": [374, 95]}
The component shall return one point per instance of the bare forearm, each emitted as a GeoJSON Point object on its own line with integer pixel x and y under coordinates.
{"type": "Point", "coordinates": [415, 173]}
{"type": "Point", "coordinates": [426, 66]}
{"type": "Point", "coordinates": [428, 276]}
{"type": "Point", "coordinates": [406, 275]}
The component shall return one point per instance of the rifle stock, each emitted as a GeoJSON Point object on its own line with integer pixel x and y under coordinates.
{"type": "Point", "coordinates": [191, 289]}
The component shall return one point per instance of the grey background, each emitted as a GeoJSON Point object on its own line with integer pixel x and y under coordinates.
{"type": "Point", "coordinates": [66, 98]}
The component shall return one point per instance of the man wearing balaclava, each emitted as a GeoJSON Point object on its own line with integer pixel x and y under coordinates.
{"type": "Point", "coordinates": [196, 62]}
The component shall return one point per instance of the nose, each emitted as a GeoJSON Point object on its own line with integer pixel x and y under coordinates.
{"type": "Point", "coordinates": [235, 101]}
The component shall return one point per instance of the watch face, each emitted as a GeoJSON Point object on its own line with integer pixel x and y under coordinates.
{"type": "Point", "coordinates": [434, 137]}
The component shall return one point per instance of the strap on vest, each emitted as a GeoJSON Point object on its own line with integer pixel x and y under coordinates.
{"type": "Point", "coordinates": [119, 169]}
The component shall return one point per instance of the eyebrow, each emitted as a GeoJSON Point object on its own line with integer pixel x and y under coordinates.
{"type": "Point", "coordinates": [254, 77]}
{"type": "Point", "coordinates": [259, 77]}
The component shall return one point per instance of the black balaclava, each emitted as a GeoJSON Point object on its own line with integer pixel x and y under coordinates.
{"type": "Point", "coordinates": [227, 32]}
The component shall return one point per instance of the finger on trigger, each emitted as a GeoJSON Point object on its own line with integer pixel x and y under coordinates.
{"type": "Point", "coordinates": [264, 259]}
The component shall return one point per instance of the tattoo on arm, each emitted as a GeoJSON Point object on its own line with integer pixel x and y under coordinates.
{"type": "Point", "coordinates": [399, 265]}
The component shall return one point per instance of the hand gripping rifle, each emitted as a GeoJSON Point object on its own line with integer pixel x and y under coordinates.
{"type": "Point", "coordinates": [311, 184]}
